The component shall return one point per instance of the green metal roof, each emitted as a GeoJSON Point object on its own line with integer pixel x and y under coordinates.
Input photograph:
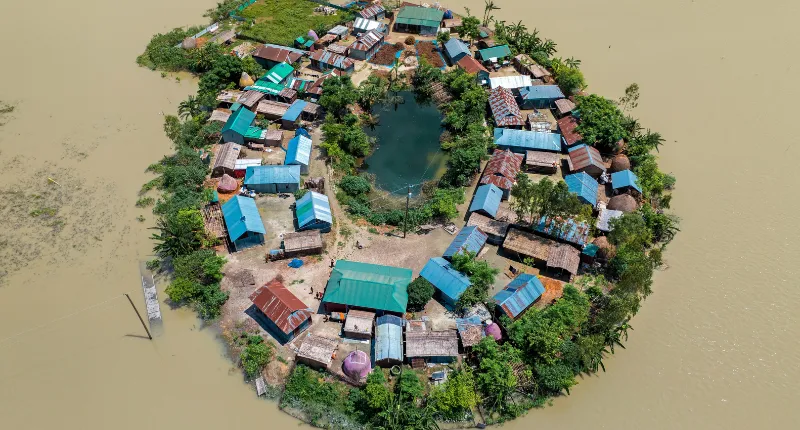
{"type": "Point", "coordinates": [279, 73]}
{"type": "Point", "coordinates": [369, 285]}
{"type": "Point", "coordinates": [239, 121]}
{"type": "Point", "coordinates": [254, 132]}
{"type": "Point", "coordinates": [499, 51]}
{"type": "Point", "coordinates": [422, 16]}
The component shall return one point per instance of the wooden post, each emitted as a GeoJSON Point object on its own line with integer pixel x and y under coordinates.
{"type": "Point", "coordinates": [139, 315]}
{"type": "Point", "coordinates": [405, 220]}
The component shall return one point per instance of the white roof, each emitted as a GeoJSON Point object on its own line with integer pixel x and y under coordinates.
{"type": "Point", "coordinates": [244, 163]}
{"type": "Point", "coordinates": [366, 24]}
{"type": "Point", "coordinates": [510, 82]}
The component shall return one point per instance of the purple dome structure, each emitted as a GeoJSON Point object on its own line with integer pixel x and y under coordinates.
{"type": "Point", "coordinates": [313, 35]}
{"type": "Point", "coordinates": [357, 365]}
{"type": "Point", "coordinates": [493, 330]}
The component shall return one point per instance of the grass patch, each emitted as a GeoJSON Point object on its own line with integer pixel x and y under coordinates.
{"type": "Point", "coordinates": [145, 202]}
{"type": "Point", "coordinates": [373, 230]}
{"type": "Point", "coordinates": [282, 21]}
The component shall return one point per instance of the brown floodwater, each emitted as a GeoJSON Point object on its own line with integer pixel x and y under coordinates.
{"type": "Point", "coordinates": [714, 347]}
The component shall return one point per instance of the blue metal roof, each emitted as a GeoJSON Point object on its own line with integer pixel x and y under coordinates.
{"type": "Point", "coordinates": [541, 92]}
{"type": "Point", "coordinates": [302, 132]}
{"type": "Point", "coordinates": [507, 138]}
{"type": "Point", "coordinates": [568, 230]}
{"type": "Point", "coordinates": [449, 281]}
{"type": "Point", "coordinates": [487, 198]}
{"type": "Point", "coordinates": [469, 239]}
{"type": "Point", "coordinates": [625, 178]}
{"type": "Point", "coordinates": [519, 294]}
{"type": "Point", "coordinates": [456, 49]}
{"type": "Point", "coordinates": [298, 151]}
{"type": "Point", "coordinates": [294, 110]}
{"type": "Point", "coordinates": [313, 207]}
{"type": "Point", "coordinates": [241, 215]}
{"type": "Point", "coordinates": [584, 186]}
{"type": "Point", "coordinates": [258, 175]}
{"type": "Point", "coordinates": [388, 338]}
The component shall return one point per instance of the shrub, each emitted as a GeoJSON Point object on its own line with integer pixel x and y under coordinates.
{"type": "Point", "coordinates": [255, 355]}
{"type": "Point", "coordinates": [354, 185]}
{"type": "Point", "coordinates": [420, 292]}
{"type": "Point", "coordinates": [399, 46]}
{"type": "Point", "coordinates": [300, 193]}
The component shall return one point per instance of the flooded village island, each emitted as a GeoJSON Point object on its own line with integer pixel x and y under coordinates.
{"type": "Point", "coordinates": [399, 215]}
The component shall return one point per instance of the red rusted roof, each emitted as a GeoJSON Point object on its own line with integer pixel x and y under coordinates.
{"type": "Point", "coordinates": [471, 65]}
{"type": "Point", "coordinates": [583, 156]}
{"type": "Point", "coordinates": [567, 126]}
{"type": "Point", "coordinates": [276, 54]}
{"type": "Point", "coordinates": [498, 181]}
{"type": "Point", "coordinates": [502, 169]}
{"type": "Point", "coordinates": [504, 108]}
{"type": "Point", "coordinates": [281, 306]}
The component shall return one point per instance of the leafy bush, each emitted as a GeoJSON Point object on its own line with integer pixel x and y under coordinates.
{"type": "Point", "coordinates": [255, 355]}
{"type": "Point", "coordinates": [355, 185]}
{"type": "Point", "coordinates": [420, 292]}
{"type": "Point", "coordinates": [601, 123]}
{"type": "Point", "coordinates": [196, 282]}
{"type": "Point", "coordinates": [410, 40]}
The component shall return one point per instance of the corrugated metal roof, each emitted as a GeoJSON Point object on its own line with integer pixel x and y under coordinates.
{"type": "Point", "coordinates": [469, 239]}
{"type": "Point", "coordinates": [422, 16]}
{"type": "Point", "coordinates": [604, 218]}
{"type": "Point", "coordinates": [370, 286]}
{"type": "Point", "coordinates": [519, 294]}
{"type": "Point", "coordinates": [499, 181]}
{"type": "Point", "coordinates": [254, 132]}
{"type": "Point", "coordinates": [470, 330]}
{"type": "Point", "coordinates": [298, 151]}
{"type": "Point", "coordinates": [524, 140]}
{"type": "Point", "coordinates": [277, 53]}
{"type": "Point", "coordinates": [567, 126]}
{"type": "Point", "coordinates": [583, 156]}
{"type": "Point", "coordinates": [389, 338]}
{"type": "Point", "coordinates": [333, 60]}
{"type": "Point", "coordinates": [456, 48]}
{"type": "Point", "coordinates": [504, 108]}
{"type": "Point", "coordinates": [499, 51]}
{"type": "Point", "coordinates": [281, 306]}
{"type": "Point", "coordinates": [445, 278]}
{"type": "Point", "coordinates": [266, 87]}
{"type": "Point", "coordinates": [567, 230]}
{"type": "Point", "coordinates": [241, 215]}
{"type": "Point", "coordinates": [471, 65]}
{"type": "Point", "coordinates": [244, 163]}
{"type": "Point", "coordinates": [294, 111]}
{"type": "Point", "coordinates": [625, 178]}
{"type": "Point", "coordinates": [372, 11]}
{"type": "Point", "coordinates": [541, 92]}
{"type": "Point", "coordinates": [278, 73]}
{"type": "Point", "coordinates": [365, 24]}
{"type": "Point", "coordinates": [516, 81]}
{"type": "Point", "coordinates": [584, 186]}
{"type": "Point", "coordinates": [239, 121]}
{"type": "Point", "coordinates": [313, 207]}
{"type": "Point", "coordinates": [339, 30]}
{"type": "Point", "coordinates": [367, 41]}
{"type": "Point", "coordinates": [487, 198]}
{"type": "Point", "coordinates": [564, 106]}
{"type": "Point", "coordinates": [504, 163]}
{"type": "Point", "coordinates": [260, 175]}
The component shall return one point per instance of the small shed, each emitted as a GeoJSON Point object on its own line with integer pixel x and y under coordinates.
{"type": "Point", "coordinates": [585, 158]}
{"type": "Point", "coordinates": [338, 48]}
{"type": "Point", "coordinates": [292, 116]}
{"type": "Point", "coordinates": [564, 257]}
{"type": "Point", "coordinates": [220, 115]}
{"type": "Point", "coordinates": [504, 108]}
{"type": "Point", "coordinates": [494, 54]}
{"type": "Point", "coordinates": [366, 45]}
{"type": "Point", "coordinates": [417, 19]}
{"type": "Point", "coordinates": [302, 243]}
{"type": "Point", "coordinates": [566, 230]}
{"type": "Point", "coordinates": [495, 230]}
{"type": "Point", "coordinates": [542, 162]}
{"type": "Point", "coordinates": [474, 67]}
{"type": "Point", "coordinates": [519, 295]}
{"type": "Point", "coordinates": [542, 120]}
{"type": "Point", "coordinates": [456, 49]}
{"type": "Point", "coordinates": [340, 31]}
{"type": "Point", "coordinates": [251, 98]}
{"type": "Point", "coordinates": [326, 60]}
{"type": "Point", "coordinates": [432, 346]}
{"type": "Point", "coordinates": [358, 324]}
{"type": "Point", "coordinates": [469, 239]}
{"type": "Point", "coordinates": [272, 109]}
{"type": "Point", "coordinates": [298, 152]}
{"type": "Point", "coordinates": [564, 107]}
{"type": "Point", "coordinates": [245, 228]}
{"type": "Point", "coordinates": [388, 340]}
{"type": "Point", "coordinates": [236, 127]}
{"type": "Point", "coordinates": [373, 11]}
{"type": "Point", "coordinates": [279, 73]}
{"type": "Point", "coordinates": [317, 351]}
{"type": "Point", "coordinates": [273, 179]}
{"type": "Point", "coordinates": [539, 96]}
{"type": "Point", "coordinates": [584, 186]}
{"type": "Point", "coordinates": [273, 138]}
{"type": "Point", "coordinates": [486, 200]}
{"type": "Point", "coordinates": [225, 163]}
{"type": "Point", "coordinates": [470, 330]}
{"type": "Point", "coordinates": [513, 82]}
{"type": "Point", "coordinates": [567, 126]}
{"type": "Point", "coordinates": [604, 218]}
{"type": "Point", "coordinates": [502, 170]}
{"type": "Point", "coordinates": [269, 56]}
{"type": "Point", "coordinates": [449, 282]}
{"type": "Point", "coordinates": [313, 212]}
{"type": "Point", "coordinates": [624, 181]}
{"type": "Point", "coordinates": [521, 141]}
{"type": "Point", "coordinates": [528, 244]}
{"type": "Point", "coordinates": [287, 314]}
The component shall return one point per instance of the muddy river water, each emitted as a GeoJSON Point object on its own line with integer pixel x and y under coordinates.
{"type": "Point", "coordinates": [714, 347]}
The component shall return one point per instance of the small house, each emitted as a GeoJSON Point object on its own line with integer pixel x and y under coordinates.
{"type": "Point", "coordinates": [474, 67]}
{"type": "Point", "coordinates": [273, 179]}
{"type": "Point", "coordinates": [564, 107]}
{"type": "Point", "coordinates": [569, 136]}
{"type": "Point", "coordinates": [225, 163]}
{"type": "Point", "coordinates": [494, 54]}
{"type": "Point", "coordinates": [374, 11]}
{"type": "Point", "coordinates": [456, 49]}
{"type": "Point", "coordinates": [286, 314]}
{"type": "Point", "coordinates": [251, 98]}
{"type": "Point", "coordinates": [526, 244]}
{"type": "Point", "coordinates": [226, 98]}
{"type": "Point", "coordinates": [525, 65]}
{"type": "Point", "coordinates": [564, 257]}
{"type": "Point", "coordinates": [495, 230]}
{"type": "Point", "coordinates": [290, 119]}
{"type": "Point", "coordinates": [245, 228]}
{"type": "Point", "coordinates": [340, 31]}
{"type": "Point", "coordinates": [367, 45]}
{"type": "Point", "coordinates": [242, 164]}
{"type": "Point", "coordinates": [388, 340]}
{"type": "Point", "coordinates": [317, 351]}
{"type": "Point", "coordinates": [504, 108]}
{"type": "Point", "coordinates": [362, 25]}
{"type": "Point", "coordinates": [470, 330]}
{"type": "Point", "coordinates": [470, 239]}
{"type": "Point", "coordinates": [542, 120]}
{"type": "Point", "coordinates": [522, 292]}
{"type": "Point", "coordinates": [521, 141]}
{"type": "Point", "coordinates": [449, 282]}
{"type": "Point", "coordinates": [539, 96]}
{"type": "Point", "coordinates": [416, 19]}
{"type": "Point", "coordinates": [272, 109]}
{"type": "Point", "coordinates": [486, 200]}
{"type": "Point", "coordinates": [584, 186]}
{"type": "Point", "coordinates": [338, 48]}
{"type": "Point", "coordinates": [502, 170]}
{"type": "Point", "coordinates": [326, 60]}
{"type": "Point", "coordinates": [313, 212]}
{"type": "Point", "coordinates": [624, 181]}
{"type": "Point", "coordinates": [279, 73]}
{"type": "Point", "coordinates": [432, 346]}
{"type": "Point", "coordinates": [273, 137]}
{"type": "Point", "coordinates": [236, 126]}
{"type": "Point", "coordinates": [514, 82]}
{"type": "Point", "coordinates": [585, 158]}
{"type": "Point", "coordinates": [302, 243]}
{"type": "Point", "coordinates": [566, 230]}
{"type": "Point", "coordinates": [310, 111]}
{"type": "Point", "coordinates": [268, 56]}
{"type": "Point", "coordinates": [358, 324]}
{"type": "Point", "coordinates": [367, 286]}
{"type": "Point", "coordinates": [298, 152]}
{"type": "Point", "coordinates": [220, 115]}
{"type": "Point", "coordinates": [542, 162]}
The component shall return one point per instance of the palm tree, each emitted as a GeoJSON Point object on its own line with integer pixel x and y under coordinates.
{"type": "Point", "coordinates": [572, 62]}
{"type": "Point", "coordinates": [189, 108]}
{"type": "Point", "coordinates": [487, 10]}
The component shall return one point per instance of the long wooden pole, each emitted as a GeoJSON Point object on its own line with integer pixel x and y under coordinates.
{"type": "Point", "coordinates": [139, 315]}
{"type": "Point", "coordinates": [405, 220]}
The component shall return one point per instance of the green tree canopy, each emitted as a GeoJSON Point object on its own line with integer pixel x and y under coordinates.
{"type": "Point", "coordinates": [544, 198]}
{"type": "Point", "coordinates": [601, 122]}
{"type": "Point", "coordinates": [420, 292]}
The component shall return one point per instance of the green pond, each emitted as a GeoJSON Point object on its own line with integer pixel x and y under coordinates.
{"type": "Point", "coordinates": [408, 145]}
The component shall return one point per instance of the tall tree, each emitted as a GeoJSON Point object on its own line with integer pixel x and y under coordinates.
{"type": "Point", "coordinates": [469, 27]}
{"type": "Point", "coordinates": [488, 7]}
{"type": "Point", "coordinates": [601, 122]}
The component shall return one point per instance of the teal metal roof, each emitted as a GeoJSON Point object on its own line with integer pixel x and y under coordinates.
{"type": "Point", "coordinates": [422, 16]}
{"type": "Point", "coordinates": [298, 151]}
{"type": "Point", "coordinates": [541, 92]}
{"type": "Point", "coordinates": [369, 286]}
{"type": "Point", "coordinates": [584, 186]}
{"type": "Point", "coordinates": [278, 73]}
{"type": "Point", "coordinates": [259, 175]}
{"type": "Point", "coordinates": [469, 239]}
{"type": "Point", "coordinates": [499, 51]}
{"type": "Point", "coordinates": [241, 215]}
{"type": "Point", "coordinates": [625, 178]}
{"type": "Point", "coordinates": [266, 87]}
{"type": "Point", "coordinates": [524, 140]}
{"type": "Point", "coordinates": [239, 121]}
{"type": "Point", "coordinates": [254, 132]}
{"type": "Point", "coordinates": [519, 294]}
{"type": "Point", "coordinates": [487, 198]}
{"type": "Point", "coordinates": [313, 207]}
{"type": "Point", "coordinates": [445, 278]}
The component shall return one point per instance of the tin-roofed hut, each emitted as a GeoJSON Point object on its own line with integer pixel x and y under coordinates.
{"type": "Point", "coordinates": [287, 314]}
{"type": "Point", "coordinates": [302, 243]}
{"type": "Point", "coordinates": [388, 340]}
{"type": "Point", "coordinates": [225, 163]}
{"type": "Point", "coordinates": [450, 284]}
{"type": "Point", "coordinates": [564, 257]}
{"type": "Point", "coordinates": [585, 158]}
{"type": "Point", "coordinates": [522, 292]}
{"type": "Point", "coordinates": [486, 200]}
{"type": "Point", "coordinates": [313, 212]}
{"type": "Point", "coordinates": [432, 346]}
{"type": "Point", "coordinates": [245, 228]}
{"type": "Point", "coordinates": [358, 324]}
{"type": "Point", "coordinates": [469, 239]}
